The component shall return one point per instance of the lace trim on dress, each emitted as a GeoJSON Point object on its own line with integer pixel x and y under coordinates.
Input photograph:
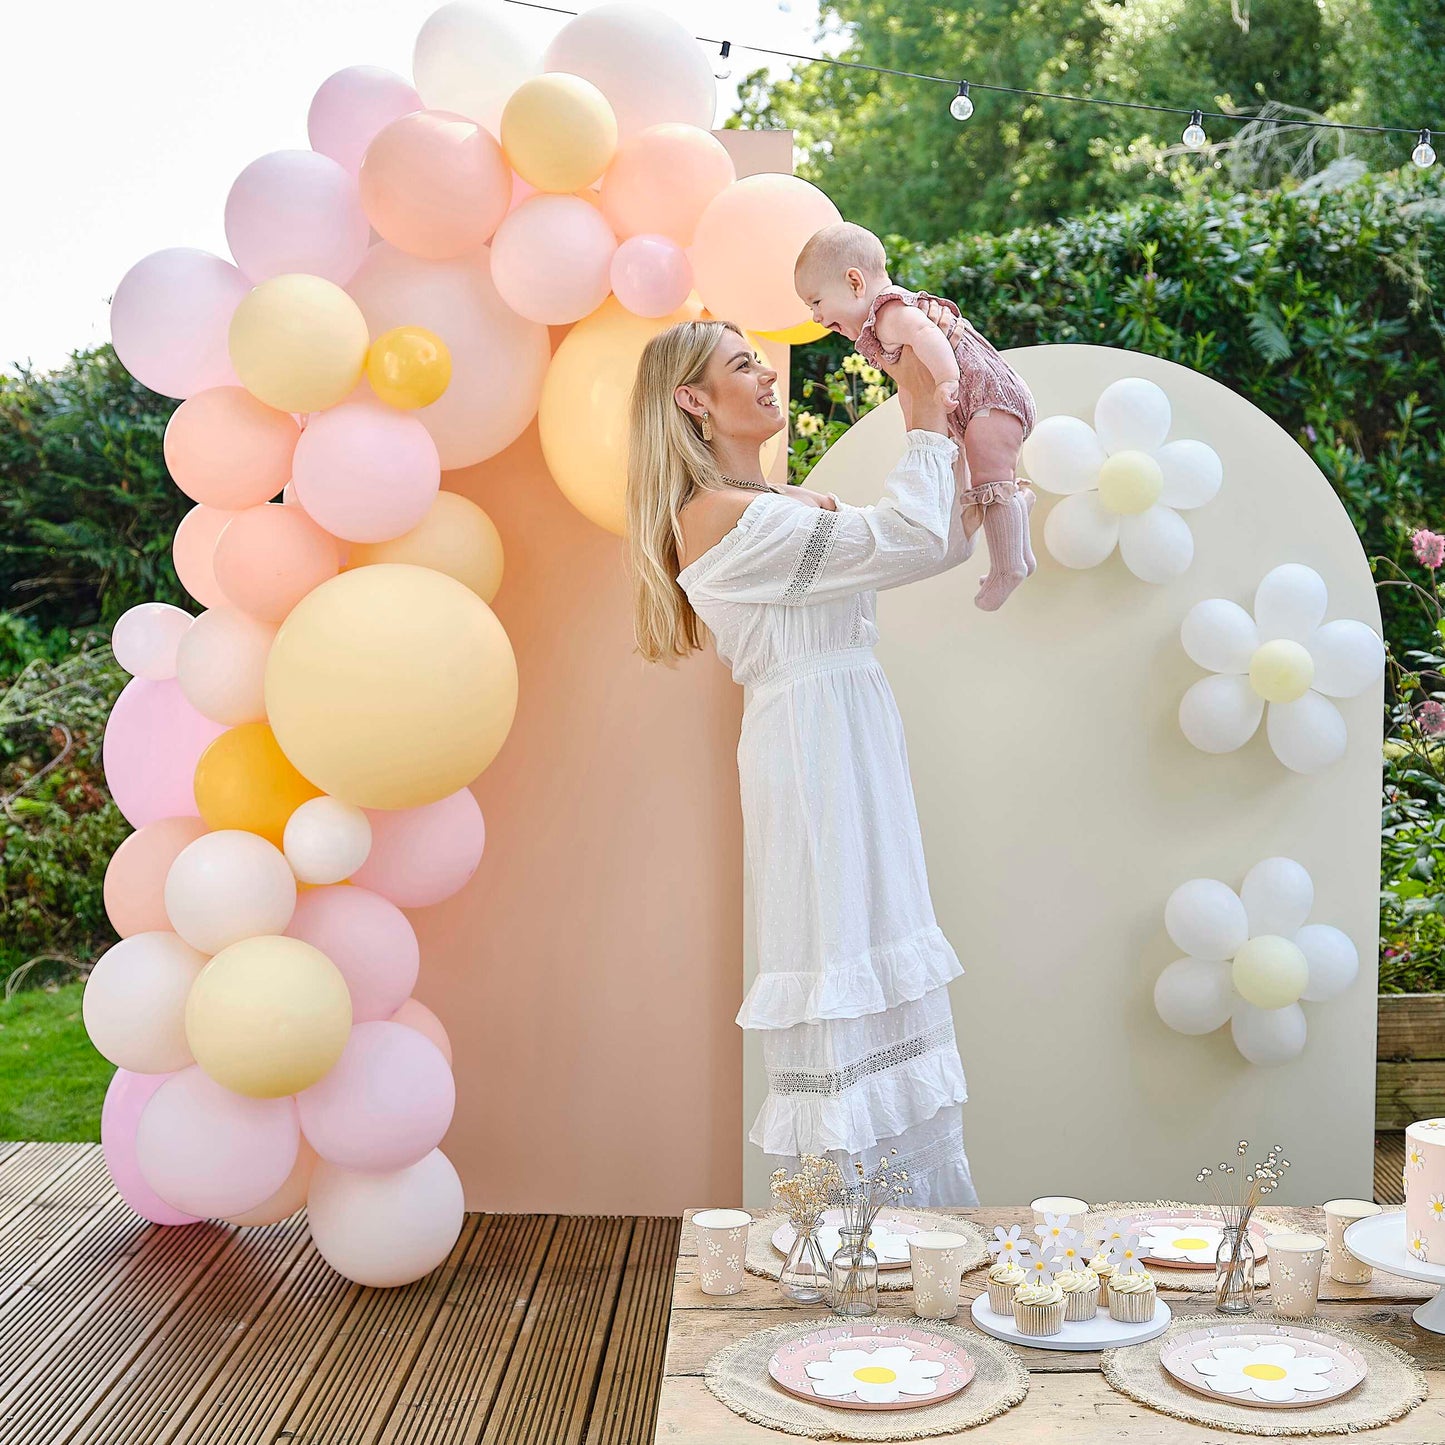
{"type": "Point", "coordinates": [834, 1081]}
{"type": "Point", "coordinates": [815, 554]}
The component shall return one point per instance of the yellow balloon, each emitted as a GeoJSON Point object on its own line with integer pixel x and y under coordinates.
{"type": "Point", "coordinates": [268, 1016]}
{"type": "Point", "coordinates": [409, 367]}
{"type": "Point", "coordinates": [1270, 972]}
{"type": "Point", "coordinates": [1281, 670]}
{"type": "Point", "coordinates": [245, 781]}
{"type": "Point", "coordinates": [799, 335]}
{"type": "Point", "coordinates": [298, 343]}
{"type": "Point", "coordinates": [456, 537]}
{"type": "Point", "coordinates": [1130, 483]}
{"type": "Point", "coordinates": [558, 132]}
{"type": "Point", "coordinates": [391, 686]}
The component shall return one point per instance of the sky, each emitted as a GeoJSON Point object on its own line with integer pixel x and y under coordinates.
{"type": "Point", "coordinates": [127, 120]}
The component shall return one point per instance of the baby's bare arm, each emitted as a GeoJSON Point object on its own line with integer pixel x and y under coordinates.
{"type": "Point", "coordinates": [907, 326]}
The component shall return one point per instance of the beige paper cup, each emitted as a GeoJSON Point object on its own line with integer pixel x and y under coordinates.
{"type": "Point", "coordinates": [1058, 1204]}
{"type": "Point", "coordinates": [1294, 1273]}
{"type": "Point", "coordinates": [1339, 1215]}
{"type": "Point", "coordinates": [722, 1241]}
{"type": "Point", "coordinates": [936, 1259]}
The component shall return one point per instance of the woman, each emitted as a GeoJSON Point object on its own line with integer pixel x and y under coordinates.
{"type": "Point", "coordinates": [852, 988]}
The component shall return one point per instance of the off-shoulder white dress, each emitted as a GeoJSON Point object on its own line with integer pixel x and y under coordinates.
{"type": "Point", "coordinates": [852, 987]}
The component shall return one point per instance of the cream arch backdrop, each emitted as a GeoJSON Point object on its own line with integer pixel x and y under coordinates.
{"type": "Point", "coordinates": [1061, 805]}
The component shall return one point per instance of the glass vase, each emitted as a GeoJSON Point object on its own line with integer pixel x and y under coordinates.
{"type": "Point", "coordinates": [1234, 1272]}
{"type": "Point", "coordinates": [854, 1276]}
{"type": "Point", "coordinates": [805, 1271]}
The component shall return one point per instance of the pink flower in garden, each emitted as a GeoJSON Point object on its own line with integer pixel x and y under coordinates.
{"type": "Point", "coordinates": [1429, 548]}
{"type": "Point", "coordinates": [1431, 717]}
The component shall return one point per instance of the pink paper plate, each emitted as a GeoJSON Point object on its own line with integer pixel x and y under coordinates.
{"type": "Point", "coordinates": [945, 1365]}
{"type": "Point", "coordinates": [1330, 1361]}
{"type": "Point", "coordinates": [1188, 1226]}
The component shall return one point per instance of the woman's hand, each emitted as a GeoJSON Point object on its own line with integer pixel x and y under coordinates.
{"type": "Point", "coordinates": [918, 395]}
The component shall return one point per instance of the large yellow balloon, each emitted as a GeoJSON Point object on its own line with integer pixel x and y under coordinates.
{"type": "Point", "coordinates": [391, 686]}
{"type": "Point", "coordinates": [298, 343]}
{"type": "Point", "coordinates": [268, 1016]}
{"type": "Point", "coordinates": [558, 132]}
{"type": "Point", "coordinates": [409, 367]}
{"type": "Point", "coordinates": [245, 781]}
{"type": "Point", "coordinates": [456, 537]}
{"type": "Point", "coordinates": [799, 335]}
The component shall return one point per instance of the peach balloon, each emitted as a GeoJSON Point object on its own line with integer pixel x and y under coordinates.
{"type": "Point", "coordinates": [221, 666]}
{"type": "Point", "coordinates": [268, 558]}
{"type": "Point", "coordinates": [558, 132]}
{"type": "Point", "coordinates": [551, 259]}
{"type": "Point", "coordinates": [418, 1016]}
{"type": "Point", "coordinates": [193, 553]}
{"type": "Point", "coordinates": [244, 781]}
{"type": "Point", "coordinates": [435, 184]}
{"type": "Point", "coordinates": [290, 1197]}
{"type": "Point", "coordinates": [746, 244]}
{"type": "Point", "coordinates": [135, 1001]}
{"type": "Point", "coordinates": [456, 537]}
{"type": "Point", "coordinates": [420, 856]}
{"type": "Point", "coordinates": [225, 449]}
{"type": "Point", "coordinates": [135, 877]}
{"type": "Point", "coordinates": [662, 180]}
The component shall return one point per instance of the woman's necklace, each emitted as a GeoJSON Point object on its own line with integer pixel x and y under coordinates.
{"type": "Point", "coordinates": [756, 486]}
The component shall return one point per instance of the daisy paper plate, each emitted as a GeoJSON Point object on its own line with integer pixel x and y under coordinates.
{"type": "Point", "coordinates": [1273, 1367]}
{"type": "Point", "coordinates": [888, 1238]}
{"type": "Point", "coordinates": [1184, 1241]}
{"type": "Point", "coordinates": [892, 1366]}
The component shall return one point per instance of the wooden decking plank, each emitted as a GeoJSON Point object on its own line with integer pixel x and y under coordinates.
{"type": "Point", "coordinates": [9, 1147]}
{"type": "Point", "coordinates": [33, 1168]}
{"type": "Point", "coordinates": [59, 1209]}
{"type": "Point", "coordinates": [1389, 1166]}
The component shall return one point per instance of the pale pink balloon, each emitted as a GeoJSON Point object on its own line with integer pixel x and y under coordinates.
{"type": "Point", "coordinates": [126, 1096]}
{"type": "Point", "coordinates": [420, 856]}
{"type": "Point", "coordinates": [225, 449]}
{"type": "Point", "coordinates": [212, 1153]}
{"type": "Point", "coordinates": [153, 741]}
{"type": "Point", "coordinates": [435, 184]}
{"type": "Point", "coordinates": [416, 1015]}
{"type": "Point", "coordinates": [135, 877]}
{"type": "Point", "coordinates": [170, 320]}
{"type": "Point", "coordinates": [221, 666]}
{"type": "Point", "coordinates": [194, 550]}
{"type": "Point", "coordinates": [268, 558]}
{"type": "Point", "coordinates": [366, 472]}
{"type": "Point", "coordinates": [352, 106]}
{"type": "Point", "coordinates": [368, 938]}
{"type": "Point", "coordinates": [550, 259]}
{"type": "Point", "coordinates": [290, 1197]}
{"type": "Point", "coordinates": [651, 275]}
{"type": "Point", "coordinates": [385, 1104]}
{"type": "Point", "coordinates": [661, 180]}
{"type": "Point", "coordinates": [146, 638]}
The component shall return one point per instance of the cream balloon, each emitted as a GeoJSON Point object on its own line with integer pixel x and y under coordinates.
{"type": "Point", "coordinates": [1132, 415]}
{"type": "Point", "coordinates": [1194, 996]}
{"type": "Point", "coordinates": [1063, 455]}
{"type": "Point", "coordinates": [1269, 1036]}
{"type": "Point", "coordinates": [1270, 972]}
{"type": "Point", "coordinates": [1206, 919]}
{"type": "Point", "coordinates": [134, 1005]}
{"type": "Point", "coordinates": [228, 886]}
{"type": "Point", "coordinates": [1334, 961]}
{"type": "Point", "coordinates": [456, 537]}
{"type": "Point", "coordinates": [326, 840]}
{"type": "Point", "coordinates": [221, 666]}
{"type": "Point", "coordinates": [1277, 894]}
{"type": "Point", "coordinates": [470, 57]}
{"type": "Point", "coordinates": [145, 639]}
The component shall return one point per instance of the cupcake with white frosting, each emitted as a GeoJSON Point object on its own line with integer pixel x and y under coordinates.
{"type": "Point", "coordinates": [1039, 1308]}
{"type": "Point", "coordinates": [1104, 1269]}
{"type": "Point", "coordinates": [1003, 1279]}
{"type": "Point", "coordinates": [1081, 1293]}
{"type": "Point", "coordinates": [1132, 1297]}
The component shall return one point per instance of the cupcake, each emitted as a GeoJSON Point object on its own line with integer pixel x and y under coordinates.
{"type": "Point", "coordinates": [1081, 1293]}
{"type": "Point", "coordinates": [1105, 1271]}
{"type": "Point", "coordinates": [1131, 1297]}
{"type": "Point", "coordinates": [1003, 1279]}
{"type": "Point", "coordinates": [1039, 1309]}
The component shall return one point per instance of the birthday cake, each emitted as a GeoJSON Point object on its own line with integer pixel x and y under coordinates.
{"type": "Point", "coordinates": [1425, 1190]}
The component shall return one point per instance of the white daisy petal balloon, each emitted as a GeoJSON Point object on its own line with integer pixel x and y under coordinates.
{"type": "Point", "coordinates": [1273, 1372]}
{"type": "Point", "coordinates": [1121, 484]}
{"type": "Point", "coordinates": [877, 1377]}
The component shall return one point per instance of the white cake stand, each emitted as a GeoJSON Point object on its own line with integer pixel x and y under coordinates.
{"type": "Point", "coordinates": [1380, 1241]}
{"type": "Point", "coordinates": [1103, 1332]}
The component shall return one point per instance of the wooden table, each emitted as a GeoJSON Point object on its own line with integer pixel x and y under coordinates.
{"type": "Point", "coordinates": [1068, 1400]}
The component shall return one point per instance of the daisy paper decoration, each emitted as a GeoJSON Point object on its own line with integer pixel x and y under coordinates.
{"type": "Point", "coordinates": [1196, 1244]}
{"type": "Point", "coordinates": [1053, 1227]}
{"type": "Point", "coordinates": [1251, 959]}
{"type": "Point", "coordinates": [1044, 1263]}
{"type": "Point", "coordinates": [1122, 484]}
{"type": "Point", "coordinates": [1103, 1232]}
{"type": "Point", "coordinates": [1285, 658]}
{"type": "Point", "coordinates": [877, 1377]}
{"type": "Point", "coordinates": [1124, 1254]}
{"type": "Point", "coordinates": [1269, 1372]}
{"type": "Point", "coordinates": [1073, 1247]}
{"type": "Point", "coordinates": [1007, 1247]}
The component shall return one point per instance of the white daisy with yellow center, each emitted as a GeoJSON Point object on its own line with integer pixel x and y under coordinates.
{"type": "Point", "coordinates": [1415, 1157]}
{"type": "Point", "coordinates": [1419, 1248]}
{"type": "Point", "coordinates": [877, 1377]}
{"type": "Point", "coordinates": [1274, 1372]}
{"type": "Point", "coordinates": [1195, 1244]}
{"type": "Point", "coordinates": [1437, 1206]}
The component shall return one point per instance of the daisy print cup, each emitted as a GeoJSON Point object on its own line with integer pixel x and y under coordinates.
{"type": "Point", "coordinates": [1339, 1215]}
{"type": "Point", "coordinates": [1294, 1273]}
{"type": "Point", "coordinates": [722, 1241]}
{"type": "Point", "coordinates": [936, 1256]}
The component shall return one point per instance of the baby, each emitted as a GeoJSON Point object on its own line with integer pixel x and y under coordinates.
{"type": "Point", "coordinates": [842, 274]}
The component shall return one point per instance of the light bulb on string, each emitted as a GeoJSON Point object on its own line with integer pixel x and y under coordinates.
{"type": "Point", "coordinates": [961, 107]}
{"type": "Point", "coordinates": [723, 70]}
{"type": "Point", "coordinates": [1424, 153]}
{"type": "Point", "coordinates": [1194, 136]}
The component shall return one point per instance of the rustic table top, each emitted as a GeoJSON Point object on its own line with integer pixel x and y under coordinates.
{"type": "Point", "coordinates": [1068, 1398]}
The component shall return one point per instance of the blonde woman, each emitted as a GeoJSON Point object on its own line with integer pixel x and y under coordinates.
{"type": "Point", "coordinates": [852, 988]}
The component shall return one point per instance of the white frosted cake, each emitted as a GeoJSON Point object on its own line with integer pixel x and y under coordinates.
{"type": "Point", "coordinates": [1425, 1190]}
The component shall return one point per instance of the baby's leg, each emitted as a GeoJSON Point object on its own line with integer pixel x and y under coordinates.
{"type": "Point", "coordinates": [992, 440]}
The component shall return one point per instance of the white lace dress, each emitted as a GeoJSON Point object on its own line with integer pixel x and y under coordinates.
{"type": "Point", "coordinates": [852, 987]}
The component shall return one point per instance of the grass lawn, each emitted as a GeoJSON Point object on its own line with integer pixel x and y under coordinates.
{"type": "Point", "coordinates": [52, 1082]}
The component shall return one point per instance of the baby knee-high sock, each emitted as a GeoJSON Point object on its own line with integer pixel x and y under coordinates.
{"type": "Point", "coordinates": [1025, 499]}
{"type": "Point", "coordinates": [1005, 525]}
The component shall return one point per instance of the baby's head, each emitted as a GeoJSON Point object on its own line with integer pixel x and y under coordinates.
{"type": "Point", "coordinates": [839, 273]}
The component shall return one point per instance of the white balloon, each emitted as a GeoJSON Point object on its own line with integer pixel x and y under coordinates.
{"type": "Point", "coordinates": [221, 666]}
{"type": "Point", "coordinates": [1307, 734]}
{"type": "Point", "coordinates": [1333, 959]}
{"type": "Point", "coordinates": [326, 840]}
{"type": "Point", "coordinates": [227, 886]}
{"type": "Point", "coordinates": [1289, 602]}
{"type": "Point", "coordinates": [1220, 635]}
{"type": "Point", "coordinates": [1062, 454]}
{"type": "Point", "coordinates": [1278, 894]}
{"type": "Point", "coordinates": [1206, 919]}
{"type": "Point", "coordinates": [470, 57]}
{"type": "Point", "coordinates": [1157, 545]}
{"type": "Point", "coordinates": [1132, 415]}
{"type": "Point", "coordinates": [1192, 473]}
{"type": "Point", "coordinates": [144, 640]}
{"type": "Point", "coordinates": [1194, 995]}
{"type": "Point", "coordinates": [1348, 657]}
{"type": "Point", "coordinates": [1080, 531]}
{"type": "Point", "coordinates": [1268, 1036]}
{"type": "Point", "coordinates": [1220, 714]}
{"type": "Point", "coordinates": [134, 1005]}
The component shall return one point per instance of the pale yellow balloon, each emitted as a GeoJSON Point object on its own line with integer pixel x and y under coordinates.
{"type": "Point", "coordinates": [558, 132]}
{"type": "Point", "coordinates": [799, 335]}
{"type": "Point", "coordinates": [268, 1016]}
{"type": "Point", "coordinates": [391, 686]}
{"type": "Point", "coordinates": [1130, 483]}
{"type": "Point", "coordinates": [1270, 972]}
{"type": "Point", "coordinates": [1281, 670]}
{"type": "Point", "coordinates": [298, 343]}
{"type": "Point", "coordinates": [456, 537]}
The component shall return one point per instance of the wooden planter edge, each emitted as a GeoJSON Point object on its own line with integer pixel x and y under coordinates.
{"type": "Point", "coordinates": [1410, 1055]}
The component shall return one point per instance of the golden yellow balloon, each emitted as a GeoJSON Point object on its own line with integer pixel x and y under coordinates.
{"type": "Point", "coordinates": [268, 1016]}
{"type": "Point", "coordinates": [558, 132]}
{"type": "Point", "coordinates": [298, 343]}
{"type": "Point", "coordinates": [799, 335]}
{"type": "Point", "coordinates": [245, 781]}
{"type": "Point", "coordinates": [409, 367]}
{"type": "Point", "coordinates": [391, 686]}
{"type": "Point", "coordinates": [456, 537]}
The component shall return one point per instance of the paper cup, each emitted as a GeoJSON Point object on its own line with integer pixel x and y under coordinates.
{"type": "Point", "coordinates": [936, 1258]}
{"type": "Point", "coordinates": [1339, 1215]}
{"type": "Point", "coordinates": [1294, 1273]}
{"type": "Point", "coordinates": [722, 1241]}
{"type": "Point", "coordinates": [1058, 1204]}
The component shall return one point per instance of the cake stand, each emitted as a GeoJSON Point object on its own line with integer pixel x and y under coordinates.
{"type": "Point", "coordinates": [1380, 1241]}
{"type": "Point", "coordinates": [1101, 1333]}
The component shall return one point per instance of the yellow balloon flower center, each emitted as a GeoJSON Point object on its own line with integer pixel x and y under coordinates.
{"type": "Point", "coordinates": [1130, 483]}
{"type": "Point", "coordinates": [1263, 1372]}
{"type": "Point", "coordinates": [875, 1375]}
{"type": "Point", "coordinates": [1281, 671]}
{"type": "Point", "coordinates": [1270, 971]}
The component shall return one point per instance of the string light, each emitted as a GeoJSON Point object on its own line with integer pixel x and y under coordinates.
{"type": "Point", "coordinates": [722, 70]}
{"type": "Point", "coordinates": [1194, 136]}
{"type": "Point", "coordinates": [961, 107]}
{"type": "Point", "coordinates": [1424, 153]}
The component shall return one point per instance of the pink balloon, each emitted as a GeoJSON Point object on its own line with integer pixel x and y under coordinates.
{"type": "Point", "coordinates": [194, 550]}
{"type": "Point", "coordinates": [651, 276]}
{"type": "Point", "coordinates": [416, 1015]}
{"type": "Point", "coordinates": [366, 472]}
{"type": "Point", "coordinates": [368, 938]}
{"type": "Point", "coordinates": [550, 259]}
{"type": "Point", "coordinates": [213, 1153]}
{"type": "Point", "coordinates": [661, 181]}
{"type": "Point", "coordinates": [268, 558]}
{"type": "Point", "coordinates": [226, 449]}
{"type": "Point", "coordinates": [170, 320]}
{"type": "Point", "coordinates": [127, 1095]}
{"type": "Point", "coordinates": [352, 106]}
{"type": "Point", "coordinates": [135, 878]}
{"type": "Point", "coordinates": [420, 856]}
{"type": "Point", "coordinates": [153, 741]}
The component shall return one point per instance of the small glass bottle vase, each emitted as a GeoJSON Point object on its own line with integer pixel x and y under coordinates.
{"type": "Point", "coordinates": [855, 1276]}
{"type": "Point", "coordinates": [1234, 1272]}
{"type": "Point", "coordinates": [805, 1275]}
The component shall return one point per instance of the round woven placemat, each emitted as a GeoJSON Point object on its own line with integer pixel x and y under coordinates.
{"type": "Point", "coordinates": [1196, 1281]}
{"type": "Point", "coordinates": [1392, 1388]}
{"type": "Point", "coordinates": [738, 1376]}
{"type": "Point", "coordinates": [762, 1259]}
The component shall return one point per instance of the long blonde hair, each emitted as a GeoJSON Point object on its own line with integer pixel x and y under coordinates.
{"type": "Point", "coordinates": [667, 464]}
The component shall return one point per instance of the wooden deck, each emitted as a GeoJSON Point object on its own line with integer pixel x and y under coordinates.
{"type": "Point", "coordinates": [540, 1329]}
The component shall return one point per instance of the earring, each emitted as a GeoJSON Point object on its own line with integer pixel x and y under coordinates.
{"type": "Point", "coordinates": [706, 427]}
